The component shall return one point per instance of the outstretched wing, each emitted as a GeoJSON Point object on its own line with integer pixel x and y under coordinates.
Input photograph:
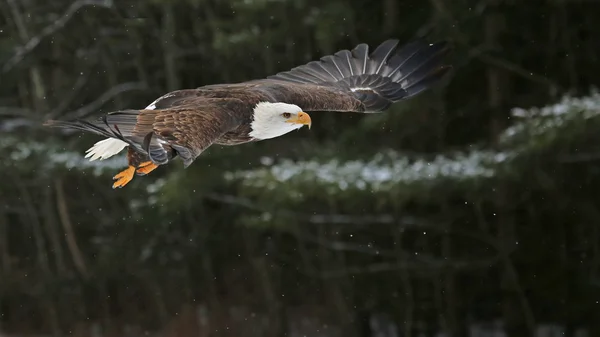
{"type": "Point", "coordinates": [362, 82]}
{"type": "Point", "coordinates": [188, 129]}
{"type": "Point", "coordinates": [356, 81]}
{"type": "Point", "coordinates": [177, 98]}
{"type": "Point", "coordinates": [312, 97]}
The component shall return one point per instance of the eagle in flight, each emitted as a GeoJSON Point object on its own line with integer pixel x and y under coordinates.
{"type": "Point", "coordinates": [185, 122]}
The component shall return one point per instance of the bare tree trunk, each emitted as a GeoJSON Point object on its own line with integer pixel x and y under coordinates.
{"type": "Point", "coordinates": [211, 20]}
{"type": "Point", "coordinates": [215, 309]}
{"type": "Point", "coordinates": [57, 75]}
{"type": "Point", "coordinates": [390, 16]}
{"type": "Point", "coordinates": [517, 314]}
{"type": "Point", "coordinates": [272, 294]}
{"type": "Point", "coordinates": [35, 74]}
{"type": "Point", "coordinates": [111, 70]}
{"type": "Point", "coordinates": [333, 287]}
{"type": "Point", "coordinates": [266, 277]}
{"type": "Point", "coordinates": [169, 47]}
{"type": "Point", "coordinates": [108, 325]}
{"type": "Point", "coordinates": [496, 79]}
{"type": "Point", "coordinates": [53, 232]}
{"type": "Point", "coordinates": [268, 59]}
{"type": "Point", "coordinates": [565, 35]}
{"type": "Point", "coordinates": [47, 304]}
{"type": "Point", "coordinates": [4, 255]}
{"type": "Point", "coordinates": [68, 229]}
{"type": "Point", "coordinates": [406, 285]}
{"type": "Point", "coordinates": [34, 220]}
{"type": "Point", "coordinates": [454, 312]}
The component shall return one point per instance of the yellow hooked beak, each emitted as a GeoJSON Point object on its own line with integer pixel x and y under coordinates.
{"type": "Point", "coordinates": [301, 118]}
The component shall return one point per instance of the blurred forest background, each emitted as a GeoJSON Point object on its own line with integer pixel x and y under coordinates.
{"type": "Point", "coordinates": [468, 210]}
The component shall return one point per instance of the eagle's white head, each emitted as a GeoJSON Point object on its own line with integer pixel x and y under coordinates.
{"type": "Point", "coordinates": [276, 119]}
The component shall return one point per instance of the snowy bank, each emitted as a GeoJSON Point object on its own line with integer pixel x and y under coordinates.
{"type": "Point", "coordinates": [385, 171]}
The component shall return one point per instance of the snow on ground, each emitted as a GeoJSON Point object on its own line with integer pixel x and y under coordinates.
{"type": "Point", "coordinates": [537, 121]}
{"type": "Point", "coordinates": [386, 170]}
{"type": "Point", "coordinates": [381, 172]}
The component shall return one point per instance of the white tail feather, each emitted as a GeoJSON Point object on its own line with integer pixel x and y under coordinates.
{"type": "Point", "coordinates": [110, 146]}
{"type": "Point", "coordinates": [105, 149]}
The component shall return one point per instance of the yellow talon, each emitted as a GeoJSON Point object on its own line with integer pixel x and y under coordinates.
{"type": "Point", "coordinates": [146, 167]}
{"type": "Point", "coordinates": [124, 177]}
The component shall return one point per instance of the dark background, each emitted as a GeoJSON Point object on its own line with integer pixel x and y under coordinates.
{"type": "Point", "coordinates": [452, 212]}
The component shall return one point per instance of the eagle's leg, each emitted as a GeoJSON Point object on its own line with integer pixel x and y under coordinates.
{"type": "Point", "coordinates": [124, 177]}
{"type": "Point", "coordinates": [145, 168]}
{"type": "Point", "coordinates": [138, 163]}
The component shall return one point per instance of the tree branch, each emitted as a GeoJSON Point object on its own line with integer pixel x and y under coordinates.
{"type": "Point", "coordinates": [478, 53]}
{"type": "Point", "coordinates": [341, 219]}
{"type": "Point", "coordinates": [14, 111]}
{"type": "Point", "coordinates": [66, 100]}
{"type": "Point", "coordinates": [95, 105]}
{"type": "Point", "coordinates": [425, 265]}
{"type": "Point", "coordinates": [50, 29]}
{"type": "Point", "coordinates": [68, 228]}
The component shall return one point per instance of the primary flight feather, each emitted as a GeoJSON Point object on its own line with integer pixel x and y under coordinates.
{"type": "Point", "coordinates": [184, 123]}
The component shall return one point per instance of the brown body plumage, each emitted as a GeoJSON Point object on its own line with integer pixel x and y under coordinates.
{"type": "Point", "coordinates": [185, 122]}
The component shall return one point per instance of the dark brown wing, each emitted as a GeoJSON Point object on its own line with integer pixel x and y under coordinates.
{"type": "Point", "coordinates": [245, 91]}
{"type": "Point", "coordinates": [188, 129]}
{"type": "Point", "coordinates": [177, 98]}
{"type": "Point", "coordinates": [185, 130]}
{"type": "Point", "coordinates": [310, 97]}
{"type": "Point", "coordinates": [353, 81]}
{"type": "Point", "coordinates": [361, 82]}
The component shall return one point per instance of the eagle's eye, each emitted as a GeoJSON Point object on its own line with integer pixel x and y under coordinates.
{"type": "Point", "coordinates": [286, 115]}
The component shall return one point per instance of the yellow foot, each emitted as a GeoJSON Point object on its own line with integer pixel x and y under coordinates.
{"type": "Point", "coordinates": [124, 177]}
{"type": "Point", "coordinates": [146, 167]}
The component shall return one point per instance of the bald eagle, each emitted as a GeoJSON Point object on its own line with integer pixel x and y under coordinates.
{"type": "Point", "coordinates": [184, 123]}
